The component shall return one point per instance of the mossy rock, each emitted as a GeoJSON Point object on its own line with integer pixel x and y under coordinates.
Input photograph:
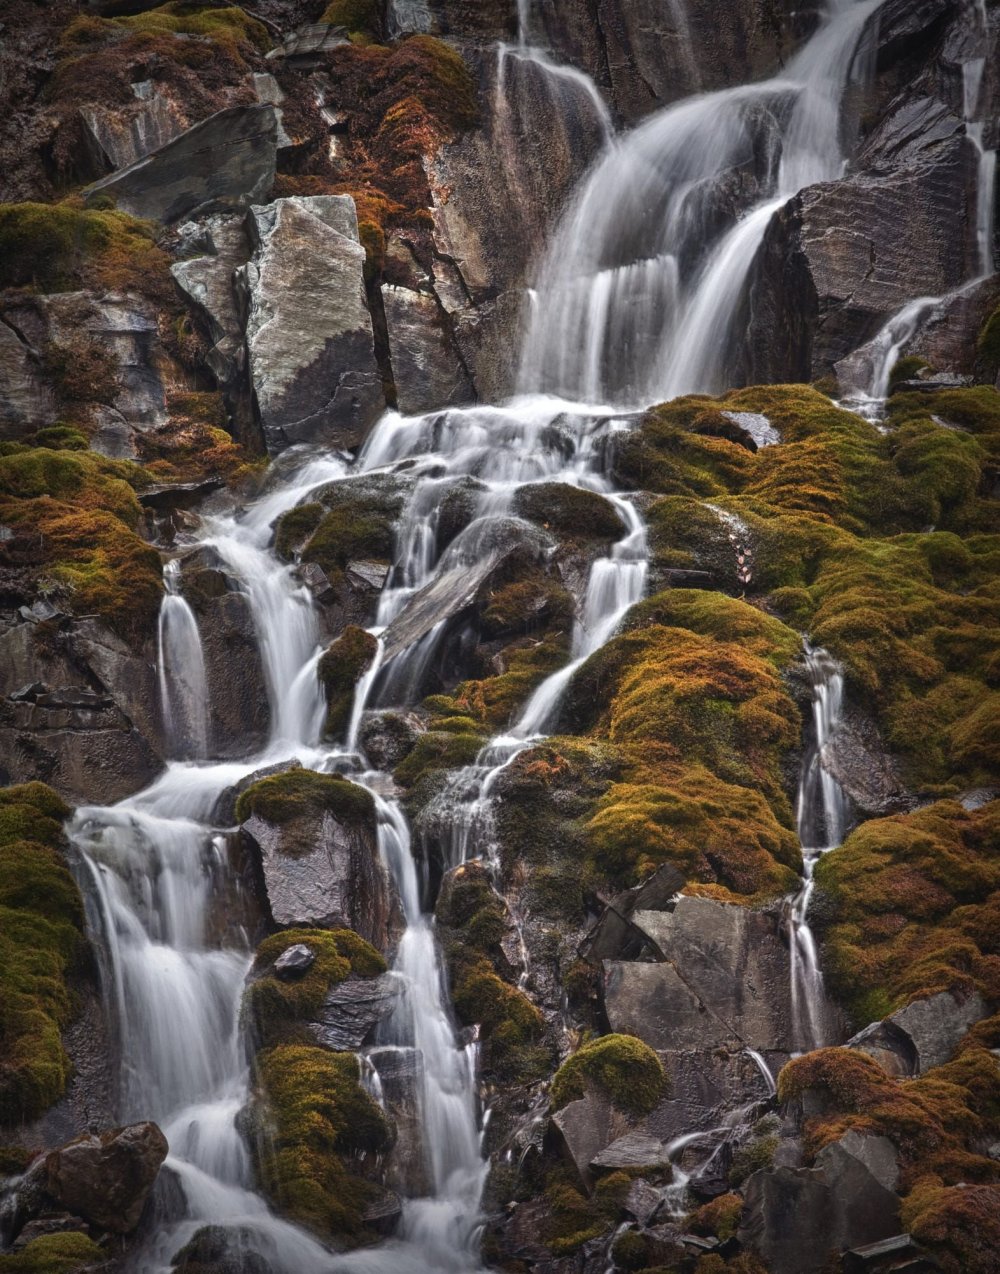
{"type": "Point", "coordinates": [340, 669]}
{"type": "Point", "coordinates": [625, 1069]}
{"type": "Point", "coordinates": [276, 1008]}
{"type": "Point", "coordinates": [572, 513]}
{"type": "Point", "coordinates": [576, 1218]}
{"type": "Point", "coordinates": [356, 15]}
{"type": "Point", "coordinates": [300, 793]}
{"type": "Point", "coordinates": [41, 945]}
{"type": "Point", "coordinates": [959, 1224]}
{"type": "Point", "coordinates": [311, 1116]}
{"type": "Point", "coordinates": [55, 1254]}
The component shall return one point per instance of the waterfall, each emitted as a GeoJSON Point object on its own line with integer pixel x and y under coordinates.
{"type": "Point", "coordinates": [181, 663]}
{"type": "Point", "coordinates": [636, 299]}
{"type": "Point", "coordinates": [822, 816]}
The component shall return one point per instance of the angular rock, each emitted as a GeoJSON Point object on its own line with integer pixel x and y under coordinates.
{"type": "Point", "coordinates": [320, 871]}
{"type": "Point", "coordinates": [635, 1150]}
{"type": "Point", "coordinates": [119, 136]}
{"type": "Point", "coordinates": [294, 962]}
{"type": "Point", "coordinates": [643, 1201]}
{"type": "Point", "coordinates": [226, 161]}
{"type": "Point", "coordinates": [387, 737]}
{"type": "Point", "coordinates": [400, 1078]}
{"type": "Point", "coordinates": [877, 1154]}
{"type": "Point", "coordinates": [309, 333]}
{"type": "Point", "coordinates": [583, 1129]}
{"type": "Point", "coordinates": [307, 45]}
{"type": "Point", "coordinates": [26, 399]}
{"type": "Point", "coordinates": [222, 1249]}
{"type": "Point", "coordinates": [426, 368]}
{"type": "Point", "coordinates": [351, 1009]}
{"type": "Point", "coordinates": [924, 1034]}
{"type": "Point", "coordinates": [107, 1177]}
{"type": "Point", "coordinates": [207, 282]}
{"type": "Point", "coordinates": [614, 937]}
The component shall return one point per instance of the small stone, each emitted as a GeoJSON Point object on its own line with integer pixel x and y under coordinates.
{"type": "Point", "coordinates": [294, 962]}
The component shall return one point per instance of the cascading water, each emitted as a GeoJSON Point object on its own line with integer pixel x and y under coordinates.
{"type": "Point", "coordinates": [636, 300]}
{"type": "Point", "coordinates": [822, 814]}
{"type": "Point", "coordinates": [183, 691]}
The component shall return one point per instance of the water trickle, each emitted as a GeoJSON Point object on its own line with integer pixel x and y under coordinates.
{"type": "Point", "coordinates": [183, 690]}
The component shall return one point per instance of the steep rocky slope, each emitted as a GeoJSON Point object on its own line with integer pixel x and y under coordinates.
{"type": "Point", "coordinates": [708, 954]}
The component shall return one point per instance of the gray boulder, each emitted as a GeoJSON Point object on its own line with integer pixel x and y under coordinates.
{"type": "Point", "coordinates": [226, 161]}
{"type": "Point", "coordinates": [582, 1130]}
{"type": "Point", "coordinates": [924, 1034]}
{"type": "Point", "coordinates": [27, 402]}
{"type": "Point", "coordinates": [207, 282]}
{"type": "Point", "coordinates": [107, 1177]}
{"type": "Point", "coordinates": [426, 368]}
{"type": "Point", "coordinates": [119, 136]}
{"type": "Point", "coordinates": [309, 333]}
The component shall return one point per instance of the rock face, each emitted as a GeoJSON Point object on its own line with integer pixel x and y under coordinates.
{"type": "Point", "coordinates": [207, 281]}
{"type": "Point", "coordinates": [309, 333]}
{"type": "Point", "coordinates": [226, 161]}
{"type": "Point", "coordinates": [318, 870]}
{"type": "Point", "coordinates": [107, 1177]}
{"type": "Point", "coordinates": [426, 369]}
{"type": "Point", "coordinates": [120, 136]}
{"type": "Point", "coordinates": [351, 1008]}
{"type": "Point", "coordinates": [924, 1034]}
{"type": "Point", "coordinates": [721, 976]}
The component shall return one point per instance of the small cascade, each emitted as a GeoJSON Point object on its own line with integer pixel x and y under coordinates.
{"type": "Point", "coordinates": [823, 814]}
{"type": "Point", "coordinates": [183, 690]}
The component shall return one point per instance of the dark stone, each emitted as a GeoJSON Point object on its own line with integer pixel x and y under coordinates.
{"type": "Point", "coordinates": [294, 962]}
{"type": "Point", "coordinates": [222, 1249]}
{"type": "Point", "coordinates": [633, 1151]}
{"type": "Point", "coordinates": [426, 367]}
{"type": "Point", "coordinates": [207, 282]}
{"type": "Point", "coordinates": [309, 333]}
{"type": "Point", "coordinates": [107, 1177]}
{"type": "Point", "coordinates": [386, 738]}
{"type": "Point", "coordinates": [179, 495]}
{"type": "Point", "coordinates": [226, 161]}
{"type": "Point", "coordinates": [924, 1034]}
{"type": "Point", "coordinates": [306, 46]}
{"type": "Point", "coordinates": [351, 1009]}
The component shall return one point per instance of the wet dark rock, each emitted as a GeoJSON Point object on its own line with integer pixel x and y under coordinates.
{"type": "Point", "coordinates": [321, 870]}
{"type": "Point", "coordinates": [633, 1151]}
{"type": "Point", "coordinates": [107, 1177]}
{"type": "Point", "coordinates": [386, 738]}
{"type": "Point", "coordinates": [877, 1154]}
{"type": "Point", "coordinates": [294, 962]}
{"type": "Point", "coordinates": [119, 136]}
{"type": "Point", "coordinates": [219, 1249]}
{"type": "Point", "coordinates": [583, 1129]}
{"type": "Point", "coordinates": [427, 369]}
{"type": "Point", "coordinates": [351, 1009]}
{"type": "Point", "coordinates": [858, 759]}
{"type": "Point", "coordinates": [27, 402]}
{"type": "Point", "coordinates": [367, 576]}
{"type": "Point", "coordinates": [643, 1201]}
{"type": "Point", "coordinates": [226, 161]}
{"type": "Point", "coordinates": [614, 937]}
{"type": "Point", "coordinates": [306, 46]}
{"type": "Point", "coordinates": [795, 1219]}
{"type": "Point", "coordinates": [317, 581]}
{"type": "Point", "coordinates": [399, 1074]}
{"type": "Point", "coordinates": [309, 333]}
{"type": "Point", "coordinates": [900, 1252]}
{"type": "Point", "coordinates": [178, 495]}
{"type": "Point", "coordinates": [207, 283]}
{"type": "Point", "coordinates": [924, 1034]}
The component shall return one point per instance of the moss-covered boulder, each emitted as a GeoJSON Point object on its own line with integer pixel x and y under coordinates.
{"type": "Point", "coordinates": [64, 1253]}
{"type": "Point", "coordinates": [314, 836]}
{"type": "Point", "coordinates": [623, 1068]}
{"type": "Point", "coordinates": [341, 667]}
{"type": "Point", "coordinates": [315, 1128]}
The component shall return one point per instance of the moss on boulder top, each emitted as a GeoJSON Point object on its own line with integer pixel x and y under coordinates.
{"type": "Point", "coordinates": [301, 793]}
{"type": "Point", "coordinates": [41, 944]}
{"type": "Point", "coordinates": [625, 1069]}
{"type": "Point", "coordinates": [64, 1253]}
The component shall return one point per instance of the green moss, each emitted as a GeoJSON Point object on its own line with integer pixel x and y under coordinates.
{"type": "Point", "coordinates": [312, 1113]}
{"type": "Point", "coordinates": [301, 793]}
{"type": "Point", "coordinates": [277, 1008]}
{"type": "Point", "coordinates": [570, 512]}
{"type": "Point", "coordinates": [621, 1066]}
{"type": "Point", "coordinates": [720, 1217]}
{"type": "Point", "coordinates": [55, 1254]}
{"type": "Point", "coordinates": [915, 898]}
{"type": "Point", "coordinates": [41, 940]}
{"type": "Point", "coordinates": [295, 527]}
{"type": "Point", "coordinates": [753, 1156]}
{"type": "Point", "coordinates": [438, 750]}
{"type": "Point", "coordinates": [224, 24]}
{"type": "Point", "coordinates": [577, 1218]}
{"type": "Point", "coordinates": [61, 438]}
{"type": "Point", "coordinates": [906, 369]}
{"type": "Point", "coordinates": [960, 1224]}
{"type": "Point", "coordinates": [355, 15]}
{"type": "Point", "coordinates": [340, 669]}
{"type": "Point", "coordinates": [664, 455]}
{"type": "Point", "coordinates": [988, 345]}
{"type": "Point", "coordinates": [631, 1251]}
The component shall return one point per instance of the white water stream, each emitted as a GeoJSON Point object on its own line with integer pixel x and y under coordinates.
{"type": "Point", "coordinates": [635, 302]}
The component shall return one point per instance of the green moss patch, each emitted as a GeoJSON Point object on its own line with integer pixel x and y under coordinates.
{"type": "Point", "coordinates": [340, 669]}
{"type": "Point", "coordinates": [54, 1254]}
{"type": "Point", "coordinates": [276, 1008]}
{"type": "Point", "coordinates": [301, 793]}
{"type": "Point", "coordinates": [41, 942]}
{"type": "Point", "coordinates": [625, 1069]}
{"type": "Point", "coordinates": [311, 1114]}
{"type": "Point", "coordinates": [571, 512]}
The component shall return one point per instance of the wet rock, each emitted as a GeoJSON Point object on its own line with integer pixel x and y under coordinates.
{"type": "Point", "coordinates": [723, 977]}
{"type": "Point", "coordinates": [207, 282]}
{"type": "Point", "coordinates": [222, 1249]}
{"type": "Point", "coordinates": [309, 333]}
{"type": "Point", "coordinates": [614, 937]}
{"type": "Point", "coordinates": [119, 136]}
{"type": "Point", "coordinates": [306, 46]}
{"type": "Point", "coordinates": [294, 962]}
{"type": "Point", "coordinates": [860, 762]}
{"type": "Point", "coordinates": [226, 161]}
{"type": "Point", "coordinates": [351, 1009]}
{"type": "Point", "coordinates": [107, 1177]}
{"type": "Point", "coordinates": [426, 367]}
{"type": "Point", "coordinates": [924, 1034]}
{"type": "Point", "coordinates": [901, 1252]}
{"type": "Point", "coordinates": [386, 738]}
{"type": "Point", "coordinates": [583, 1129]}
{"type": "Point", "coordinates": [320, 869]}
{"type": "Point", "coordinates": [224, 813]}
{"type": "Point", "coordinates": [633, 1151]}
{"type": "Point", "coordinates": [877, 1154]}
{"type": "Point", "coordinates": [399, 1075]}
{"type": "Point", "coordinates": [643, 1201]}
{"type": "Point", "coordinates": [26, 399]}
{"type": "Point", "coordinates": [794, 1220]}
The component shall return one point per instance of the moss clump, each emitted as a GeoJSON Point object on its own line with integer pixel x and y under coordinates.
{"type": "Point", "coordinates": [41, 941]}
{"type": "Point", "coordinates": [960, 1224]}
{"type": "Point", "coordinates": [81, 512]}
{"type": "Point", "coordinates": [54, 1254]}
{"type": "Point", "coordinates": [621, 1066]}
{"type": "Point", "coordinates": [575, 1217]}
{"type": "Point", "coordinates": [988, 345]}
{"type": "Point", "coordinates": [906, 369]}
{"type": "Point", "coordinates": [275, 1008]}
{"type": "Point", "coordinates": [916, 898]}
{"type": "Point", "coordinates": [571, 512]}
{"type": "Point", "coordinates": [438, 750]}
{"type": "Point", "coordinates": [60, 438]}
{"type": "Point", "coordinates": [311, 1113]}
{"type": "Point", "coordinates": [720, 1217]}
{"type": "Point", "coordinates": [356, 15]}
{"type": "Point", "coordinates": [340, 669]}
{"type": "Point", "coordinates": [472, 921]}
{"type": "Point", "coordinates": [295, 527]}
{"type": "Point", "coordinates": [61, 247]}
{"type": "Point", "coordinates": [665, 453]}
{"type": "Point", "coordinates": [285, 798]}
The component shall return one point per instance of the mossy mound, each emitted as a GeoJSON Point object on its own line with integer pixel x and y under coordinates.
{"type": "Point", "coordinates": [358, 16]}
{"type": "Point", "coordinates": [571, 512]}
{"type": "Point", "coordinates": [55, 1254]}
{"type": "Point", "coordinates": [960, 1224]}
{"type": "Point", "coordinates": [41, 943]}
{"type": "Point", "coordinates": [78, 516]}
{"type": "Point", "coordinates": [720, 1217]}
{"type": "Point", "coordinates": [299, 793]}
{"type": "Point", "coordinates": [625, 1069]}
{"type": "Point", "coordinates": [347, 521]}
{"type": "Point", "coordinates": [63, 247]}
{"type": "Point", "coordinates": [933, 1121]}
{"type": "Point", "coordinates": [576, 1218]}
{"type": "Point", "coordinates": [916, 901]}
{"type": "Point", "coordinates": [340, 669]}
{"type": "Point", "coordinates": [311, 1116]}
{"type": "Point", "coordinates": [472, 920]}
{"type": "Point", "coordinates": [276, 1008]}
